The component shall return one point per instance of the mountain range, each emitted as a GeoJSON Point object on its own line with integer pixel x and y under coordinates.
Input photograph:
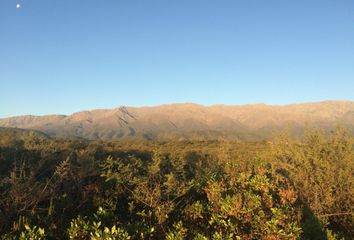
{"type": "Point", "coordinates": [190, 121]}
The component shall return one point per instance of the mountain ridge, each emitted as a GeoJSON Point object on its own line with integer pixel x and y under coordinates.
{"type": "Point", "coordinates": [190, 121]}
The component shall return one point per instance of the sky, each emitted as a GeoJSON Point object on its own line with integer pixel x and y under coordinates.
{"type": "Point", "coordinates": [63, 56]}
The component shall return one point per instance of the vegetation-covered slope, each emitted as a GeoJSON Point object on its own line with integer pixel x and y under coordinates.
{"type": "Point", "coordinates": [13, 136]}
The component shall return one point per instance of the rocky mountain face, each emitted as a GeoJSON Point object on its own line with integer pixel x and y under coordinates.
{"type": "Point", "coordinates": [190, 121]}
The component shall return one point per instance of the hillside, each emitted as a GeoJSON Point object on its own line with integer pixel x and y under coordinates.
{"type": "Point", "coordinates": [190, 121]}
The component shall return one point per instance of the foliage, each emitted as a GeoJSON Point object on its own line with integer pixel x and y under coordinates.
{"type": "Point", "coordinates": [81, 228]}
{"type": "Point", "coordinates": [287, 189]}
{"type": "Point", "coordinates": [321, 169]}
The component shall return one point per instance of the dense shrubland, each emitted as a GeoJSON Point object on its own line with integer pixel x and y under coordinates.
{"type": "Point", "coordinates": [286, 189]}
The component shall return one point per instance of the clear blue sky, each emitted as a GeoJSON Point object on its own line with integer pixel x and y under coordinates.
{"type": "Point", "coordinates": [62, 56]}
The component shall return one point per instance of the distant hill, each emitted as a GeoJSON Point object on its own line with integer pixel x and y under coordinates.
{"type": "Point", "coordinates": [190, 121]}
{"type": "Point", "coordinates": [21, 133]}
{"type": "Point", "coordinates": [13, 136]}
